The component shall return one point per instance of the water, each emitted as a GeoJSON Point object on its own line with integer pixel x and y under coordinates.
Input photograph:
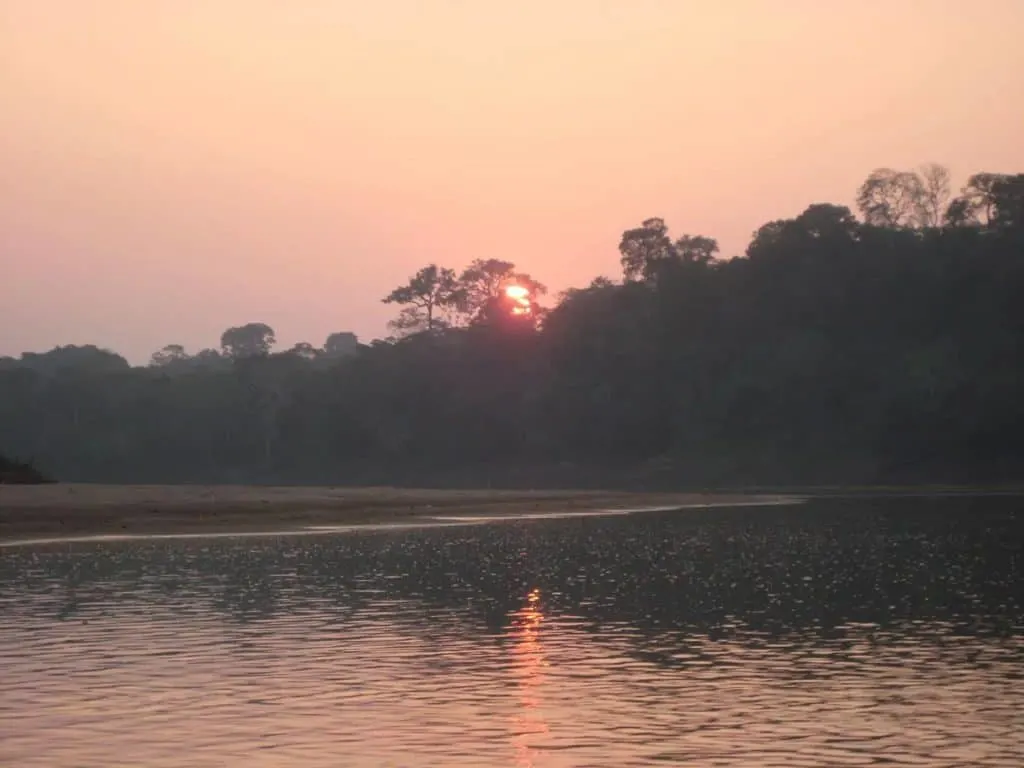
{"type": "Point", "coordinates": [842, 633]}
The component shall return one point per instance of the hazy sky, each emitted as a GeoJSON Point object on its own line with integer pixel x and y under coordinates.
{"type": "Point", "coordinates": [172, 167]}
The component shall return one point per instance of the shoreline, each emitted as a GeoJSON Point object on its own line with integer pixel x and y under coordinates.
{"type": "Point", "coordinates": [31, 515]}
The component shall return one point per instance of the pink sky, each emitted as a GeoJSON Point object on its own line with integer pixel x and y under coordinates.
{"type": "Point", "coordinates": [174, 167]}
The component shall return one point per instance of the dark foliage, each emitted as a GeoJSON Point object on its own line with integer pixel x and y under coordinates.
{"type": "Point", "coordinates": [834, 351]}
{"type": "Point", "coordinates": [14, 472]}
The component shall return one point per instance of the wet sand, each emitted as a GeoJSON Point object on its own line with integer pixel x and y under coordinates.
{"type": "Point", "coordinates": [71, 511]}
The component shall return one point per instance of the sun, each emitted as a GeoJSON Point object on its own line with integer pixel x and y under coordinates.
{"type": "Point", "coordinates": [521, 298]}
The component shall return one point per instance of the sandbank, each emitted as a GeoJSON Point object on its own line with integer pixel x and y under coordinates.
{"type": "Point", "coordinates": [29, 513]}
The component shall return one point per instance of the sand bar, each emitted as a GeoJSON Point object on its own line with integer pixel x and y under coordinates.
{"type": "Point", "coordinates": [71, 511]}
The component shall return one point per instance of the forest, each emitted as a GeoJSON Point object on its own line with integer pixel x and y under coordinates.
{"type": "Point", "coordinates": [876, 346]}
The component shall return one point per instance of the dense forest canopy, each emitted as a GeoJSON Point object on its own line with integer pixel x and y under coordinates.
{"type": "Point", "coordinates": [838, 349]}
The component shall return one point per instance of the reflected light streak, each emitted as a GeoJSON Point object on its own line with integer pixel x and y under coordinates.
{"type": "Point", "coordinates": [528, 667]}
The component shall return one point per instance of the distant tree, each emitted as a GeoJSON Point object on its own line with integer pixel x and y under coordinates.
{"type": "Point", "coordinates": [168, 355]}
{"type": "Point", "coordinates": [341, 344]}
{"type": "Point", "coordinates": [768, 239]}
{"type": "Point", "coordinates": [648, 251]}
{"type": "Point", "coordinates": [208, 357]}
{"type": "Point", "coordinates": [976, 203]}
{"type": "Point", "coordinates": [644, 248]}
{"type": "Point", "coordinates": [890, 198]}
{"type": "Point", "coordinates": [1009, 196]}
{"type": "Point", "coordinates": [936, 194]}
{"type": "Point", "coordinates": [824, 221]}
{"type": "Point", "coordinates": [429, 295]}
{"type": "Point", "coordinates": [959, 213]}
{"type": "Point", "coordinates": [414, 320]}
{"type": "Point", "coordinates": [696, 249]}
{"type": "Point", "coordinates": [484, 281]}
{"type": "Point", "coordinates": [794, 240]}
{"type": "Point", "coordinates": [989, 200]}
{"type": "Point", "coordinates": [86, 358]}
{"type": "Point", "coordinates": [248, 340]}
{"type": "Point", "coordinates": [304, 351]}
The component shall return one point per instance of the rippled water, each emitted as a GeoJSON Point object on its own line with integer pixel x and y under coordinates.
{"type": "Point", "coordinates": [840, 633]}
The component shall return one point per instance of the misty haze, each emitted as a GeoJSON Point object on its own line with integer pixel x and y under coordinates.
{"type": "Point", "coordinates": [549, 384]}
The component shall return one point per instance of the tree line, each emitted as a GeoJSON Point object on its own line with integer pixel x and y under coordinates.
{"type": "Point", "coordinates": [838, 349]}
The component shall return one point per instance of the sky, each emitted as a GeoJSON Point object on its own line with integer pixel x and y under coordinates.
{"type": "Point", "coordinates": [170, 168]}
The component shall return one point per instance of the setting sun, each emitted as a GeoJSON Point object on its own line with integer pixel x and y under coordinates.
{"type": "Point", "coordinates": [517, 292]}
{"type": "Point", "coordinates": [521, 296]}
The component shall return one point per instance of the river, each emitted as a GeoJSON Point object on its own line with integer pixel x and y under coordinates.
{"type": "Point", "coordinates": [835, 633]}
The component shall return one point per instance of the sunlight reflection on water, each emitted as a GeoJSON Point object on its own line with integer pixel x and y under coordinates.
{"type": "Point", "coordinates": [831, 637]}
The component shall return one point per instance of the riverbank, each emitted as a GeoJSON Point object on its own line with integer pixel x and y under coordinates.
{"type": "Point", "coordinates": [58, 511]}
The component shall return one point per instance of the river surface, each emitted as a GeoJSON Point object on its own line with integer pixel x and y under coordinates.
{"type": "Point", "coordinates": [870, 632]}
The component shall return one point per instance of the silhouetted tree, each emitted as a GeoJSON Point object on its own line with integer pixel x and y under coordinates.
{"type": "Point", "coordinates": [649, 253]}
{"type": "Point", "coordinates": [696, 249]}
{"type": "Point", "coordinates": [341, 344]}
{"type": "Point", "coordinates": [483, 283]}
{"type": "Point", "coordinates": [429, 294]}
{"type": "Point", "coordinates": [935, 196]}
{"type": "Point", "coordinates": [915, 199]}
{"type": "Point", "coordinates": [87, 358]}
{"type": "Point", "coordinates": [305, 351]}
{"type": "Point", "coordinates": [168, 355]}
{"type": "Point", "coordinates": [247, 340]}
{"type": "Point", "coordinates": [644, 248]}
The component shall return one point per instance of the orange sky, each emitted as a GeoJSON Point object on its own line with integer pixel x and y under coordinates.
{"type": "Point", "coordinates": [172, 167]}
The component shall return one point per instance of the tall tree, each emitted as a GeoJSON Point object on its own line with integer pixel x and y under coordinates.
{"type": "Point", "coordinates": [431, 294]}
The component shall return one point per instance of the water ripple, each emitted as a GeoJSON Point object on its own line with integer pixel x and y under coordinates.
{"type": "Point", "coordinates": [836, 635]}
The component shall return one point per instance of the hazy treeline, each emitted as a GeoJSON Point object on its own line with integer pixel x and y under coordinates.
{"type": "Point", "coordinates": [837, 349]}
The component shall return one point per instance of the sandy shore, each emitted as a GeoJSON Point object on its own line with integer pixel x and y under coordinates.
{"type": "Point", "coordinates": [43, 511]}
